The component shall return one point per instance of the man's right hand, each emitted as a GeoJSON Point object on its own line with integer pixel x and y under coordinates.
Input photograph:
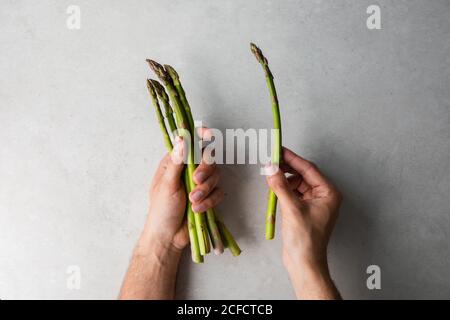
{"type": "Point", "coordinates": [309, 206]}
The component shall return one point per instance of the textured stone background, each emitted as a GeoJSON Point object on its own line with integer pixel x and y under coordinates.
{"type": "Point", "coordinates": [79, 142]}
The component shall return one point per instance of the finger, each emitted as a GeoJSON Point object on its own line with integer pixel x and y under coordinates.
{"type": "Point", "coordinates": [205, 133]}
{"type": "Point", "coordinates": [304, 187]}
{"type": "Point", "coordinates": [287, 169]}
{"type": "Point", "coordinates": [202, 190]}
{"type": "Point", "coordinates": [307, 169]}
{"type": "Point", "coordinates": [300, 187]}
{"type": "Point", "coordinates": [204, 170]}
{"type": "Point", "coordinates": [295, 181]}
{"type": "Point", "coordinates": [174, 163]}
{"type": "Point", "coordinates": [214, 198]}
{"type": "Point", "coordinates": [280, 185]}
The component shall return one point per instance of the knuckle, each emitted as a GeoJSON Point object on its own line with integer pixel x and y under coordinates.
{"type": "Point", "coordinates": [207, 168]}
{"type": "Point", "coordinates": [207, 132]}
{"type": "Point", "coordinates": [208, 185]}
{"type": "Point", "coordinates": [212, 166]}
{"type": "Point", "coordinates": [276, 184]}
{"type": "Point", "coordinates": [208, 203]}
{"type": "Point", "coordinates": [312, 165]}
{"type": "Point", "coordinates": [208, 159]}
{"type": "Point", "coordinates": [335, 194]}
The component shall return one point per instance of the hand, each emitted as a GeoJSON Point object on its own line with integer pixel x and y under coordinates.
{"type": "Point", "coordinates": [309, 206]}
{"type": "Point", "coordinates": [153, 268]}
{"type": "Point", "coordinates": [166, 223]}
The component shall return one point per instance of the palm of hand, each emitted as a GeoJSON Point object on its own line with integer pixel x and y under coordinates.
{"type": "Point", "coordinates": [167, 208]}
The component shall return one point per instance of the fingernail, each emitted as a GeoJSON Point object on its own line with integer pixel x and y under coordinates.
{"type": "Point", "coordinates": [200, 176]}
{"type": "Point", "coordinates": [199, 207]}
{"type": "Point", "coordinates": [197, 195]}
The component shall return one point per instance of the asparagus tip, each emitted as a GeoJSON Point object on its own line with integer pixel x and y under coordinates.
{"type": "Point", "coordinates": [158, 88]}
{"type": "Point", "coordinates": [258, 54]}
{"type": "Point", "coordinates": [172, 72]}
{"type": "Point", "coordinates": [151, 88]}
{"type": "Point", "coordinates": [158, 70]}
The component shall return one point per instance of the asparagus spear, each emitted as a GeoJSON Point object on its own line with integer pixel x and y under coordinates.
{"type": "Point", "coordinates": [229, 241]}
{"type": "Point", "coordinates": [193, 238]}
{"type": "Point", "coordinates": [210, 214]}
{"type": "Point", "coordinates": [180, 90]}
{"type": "Point", "coordinates": [183, 124]}
{"type": "Point", "coordinates": [159, 115]}
{"type": "Point", "coordinates": [195, 250]}
{"type": "Point", "coordinates": [162, 95]}
{"type": "Point", "coordinates": [276, 144]}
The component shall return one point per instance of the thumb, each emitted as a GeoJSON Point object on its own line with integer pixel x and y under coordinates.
{"type": "Point", "coordinates": [280, 186]}
{"type": "Point", "coordinates": [175, 164]}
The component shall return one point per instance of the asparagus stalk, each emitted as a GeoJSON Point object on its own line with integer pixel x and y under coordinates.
{"type": "Point", "coordinates": [159, 115]}
{"type": "Point", "coordinates": [183, 124]}
{"type": "Point", "coordinates": [180, 90]}
{"type": "Point", "coordinates": [216, 227]}
{"type": "Point", "coordinates": [210, 214]}
{"type": "Point", "coordinates": [276, 144]}
{"type": "Point", "coordinates": [195, 250]}
{"type": "Point", "coordinates": [162, 95]}
{"type": "Point", "coordinates": [161, 92]}
{"type": "Point", "coordinates": [197, 257]}
{"type": "Point", "coordinates": [228, 239]}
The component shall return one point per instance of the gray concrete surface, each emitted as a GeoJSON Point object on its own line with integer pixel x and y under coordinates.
{"type": "Point", "coordinates": [79, 142]}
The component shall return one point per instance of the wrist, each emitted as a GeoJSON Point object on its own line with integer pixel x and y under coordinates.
{"type": "Point", "coordinates": [311, 279]}
{"type": "Point", "coordinates": [152, 272]}
{"type": "Point", "coordinates": [157, 239]}
{"type": "Point", "coordinates": [153, 247]}
{"type": "Point", "coordinates": [307, 266]}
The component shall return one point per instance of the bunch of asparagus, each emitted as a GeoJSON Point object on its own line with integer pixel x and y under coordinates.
{"type": "Point", "coordinates": [203, 227]}
{"type": "Point", "coordinates": [276, 142]}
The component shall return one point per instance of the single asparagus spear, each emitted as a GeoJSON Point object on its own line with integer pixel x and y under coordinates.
{"type": "Point", "coordinates": [159, 115]}
{"type": "Point", "coordinates": [276, 144]}
{"type": "Point", "coordinates": [195, 250]}
{"type": "Point", "coordinates": [210, 214]}
{"type": "Point", "coordinates": [162, 95]}
{"type": "Point", "coordinates": [180, 90]}
{"type": "Point", "coordinates": [228, 239]}
{"type": "Point", "coordinates": [183, 124]}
